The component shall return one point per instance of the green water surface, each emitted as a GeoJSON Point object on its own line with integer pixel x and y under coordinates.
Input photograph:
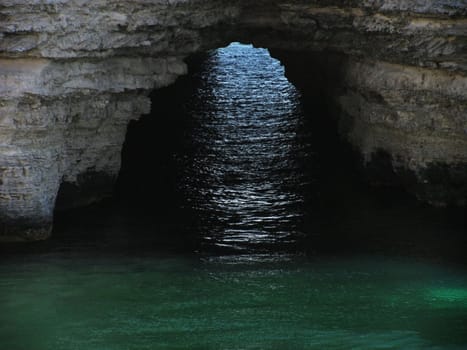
{"type": "Point", "coordinates": [231, 302]}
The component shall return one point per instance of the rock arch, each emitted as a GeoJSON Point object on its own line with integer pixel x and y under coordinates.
{"type": "Point", "coordinates": [74, 72]}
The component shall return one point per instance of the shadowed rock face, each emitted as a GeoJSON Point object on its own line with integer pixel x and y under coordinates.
{"type": "Point", "coordinates": [75, 72]}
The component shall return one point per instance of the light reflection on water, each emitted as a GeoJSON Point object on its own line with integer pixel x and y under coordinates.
{"type": "Point", "coordinates": [245, 178]}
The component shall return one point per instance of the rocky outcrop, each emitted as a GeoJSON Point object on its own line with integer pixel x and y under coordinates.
{"type": "Point", "coordinates": [74, 72]}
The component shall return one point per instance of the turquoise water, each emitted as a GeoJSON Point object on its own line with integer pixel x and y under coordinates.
{"type": "Point", "coordinates": [239, 229]}
{"type": "Point", "coordinates": [231, 302]}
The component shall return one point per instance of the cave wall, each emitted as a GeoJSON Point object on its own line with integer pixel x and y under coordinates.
{"type": "Point", "coordinates": [399, 87]}
{"type": "Point", "coordinates": [75, 72]}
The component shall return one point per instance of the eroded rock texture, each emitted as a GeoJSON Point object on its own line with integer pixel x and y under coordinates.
{"type": "Point", "coordinates": [74, 72]}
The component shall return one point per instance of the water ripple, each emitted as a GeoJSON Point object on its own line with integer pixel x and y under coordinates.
{"type": "Point", "coordinates": [245, 179]}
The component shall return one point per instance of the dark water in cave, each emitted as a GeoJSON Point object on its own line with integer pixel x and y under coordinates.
{"type": "Point", "coordinates": [239, 223]}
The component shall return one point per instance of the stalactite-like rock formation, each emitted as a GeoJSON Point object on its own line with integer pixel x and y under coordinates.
{"type": "Point", "coordinates": [74, 72]}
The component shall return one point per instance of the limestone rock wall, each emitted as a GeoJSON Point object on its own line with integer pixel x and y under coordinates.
{"type": "Point", "coordinates": [401, 87]}
{"type": "Point", "coordinates": [74, 72]}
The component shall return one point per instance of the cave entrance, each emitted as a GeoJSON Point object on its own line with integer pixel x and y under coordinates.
{"type": "Point", "coordinates": [229, 152]}
{"type": "Point", "coordinates": [234, 158]}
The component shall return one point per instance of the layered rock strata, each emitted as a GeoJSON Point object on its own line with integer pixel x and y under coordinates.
{"type": "Point", "coordinates": [74, 72]}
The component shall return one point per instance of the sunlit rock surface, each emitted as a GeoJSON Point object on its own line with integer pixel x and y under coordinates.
{"type": "Point", "coordinates": [74, 72]}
